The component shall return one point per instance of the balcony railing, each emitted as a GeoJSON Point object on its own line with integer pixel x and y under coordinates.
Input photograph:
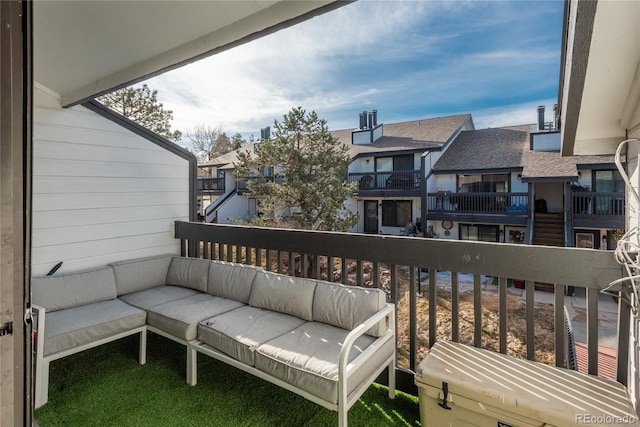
{"type": "Point", "coordinates": [594, 206]}
{"type": "Point", "coordinates": [242, 185]}
{"type": "Point", "coordinates": [397, 180]}
{"type": "Point", "coordinates": [487, 203]}
{"type": "Point", "coordinates": [364, 259]}
{"type": "Point", "coordinates": [210, 185]}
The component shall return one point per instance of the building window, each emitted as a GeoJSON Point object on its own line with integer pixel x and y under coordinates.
{"type": "Point", "coordinates": [608, 182]}
{"type": "Point", "coordinates": [395, 163]}
{"type": "Point", "coordinates": [396, 213]}
{"type": "Point", "coordinates": [495, 183]}
{"type": "Point", "coordinates": [483, 233]}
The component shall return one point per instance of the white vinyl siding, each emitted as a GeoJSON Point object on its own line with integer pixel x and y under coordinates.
{"type": "Point", "coordinates": [101, 193]}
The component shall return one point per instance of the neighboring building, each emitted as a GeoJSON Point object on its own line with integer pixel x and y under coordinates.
{"type": "Point", "coordinates": [512, 185]}
{"type": "Point", "coordinates": [506, 184]}
{"type": "Point", "coordinates": [390, 163]}
{"type": "Point", "coordinates": [222, 194]}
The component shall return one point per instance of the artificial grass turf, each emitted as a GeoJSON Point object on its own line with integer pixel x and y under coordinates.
{"type": "Point", "coordinates": [105, 386]}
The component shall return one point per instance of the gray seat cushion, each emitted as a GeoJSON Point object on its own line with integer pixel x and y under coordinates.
{"type": "Point", "coordinates": [139, 274]}
{"type": "Point", "coordinates": [180, 317]}
{"type": "Point", "coordinates": [347, 306]}
{"type": "Point", "coordinates": [231, 281]}
{"type": "Point", "coordinates": [308, 356]}
{"type": "Point", "coordinates": [73, 290]}
{"type": "Point", "coordinates": [189, 273]}
{"type": "Point", "coordinates": [277, 292]}
{"type": "Point", "coordinates": [70, 328]}
{"type": "Point", "coordinates": [238, 332]}
{"type": "Point", "coordinates": [156, 296]}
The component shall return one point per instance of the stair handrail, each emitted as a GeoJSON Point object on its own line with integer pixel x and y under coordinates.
{"type": "Point", "coordinates": [211, 211]}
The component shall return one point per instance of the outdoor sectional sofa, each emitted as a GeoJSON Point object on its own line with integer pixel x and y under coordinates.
{"type": "Point", "coordinates": [324, 341]}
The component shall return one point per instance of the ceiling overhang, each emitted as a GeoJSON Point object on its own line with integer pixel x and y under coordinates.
{"type": "Point", "coordinates": [600, 81]}
{"type": "Point", "coordinates": [83, 49]}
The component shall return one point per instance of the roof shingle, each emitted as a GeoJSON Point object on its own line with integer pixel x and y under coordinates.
{"type": "Point", "coordinates": [508, 148]}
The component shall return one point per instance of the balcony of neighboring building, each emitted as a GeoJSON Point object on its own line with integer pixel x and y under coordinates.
{"type": "Point", "coordinates": [485, 206]}
{"type": "Point", "coordinates": [210, 186]}
{"type": "Point", "coordinates": [394, 183]}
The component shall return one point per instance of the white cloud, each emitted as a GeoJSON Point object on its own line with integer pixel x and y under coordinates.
{"type": "Point", "coordinates": [513, 115]}
{"type": "Point", "coordinates": [408, 59]}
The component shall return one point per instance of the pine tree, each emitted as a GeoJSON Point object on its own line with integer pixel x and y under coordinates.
{"type": "Point", "coordinates": [142, 106]}
{"type": "Point", "coordinates": [308, 187]}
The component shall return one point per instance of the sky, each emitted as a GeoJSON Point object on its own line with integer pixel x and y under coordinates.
{"type": "Point", "coordinates": [497, 60]}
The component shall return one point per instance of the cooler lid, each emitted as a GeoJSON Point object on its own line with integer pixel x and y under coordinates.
{"type": "Point", "coordinates": [553, 395]}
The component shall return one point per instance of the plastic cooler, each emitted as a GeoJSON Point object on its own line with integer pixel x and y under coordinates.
{"type": "Point", "coordinates": [462, 386]}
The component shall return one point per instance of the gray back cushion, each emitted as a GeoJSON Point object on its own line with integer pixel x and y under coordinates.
{"type": "Point", "coordinates": [73, 290]}
{"type": "Point", "coordinates": [140, 274]}
{"type": "Point", "coordinates": [291, 295]}
{"type": "Point", "coordinates": [347, 306]}
{"type": "Point", "coordinates": [189, 273]}
{"type": "Point", "coordinates": [231, 281]}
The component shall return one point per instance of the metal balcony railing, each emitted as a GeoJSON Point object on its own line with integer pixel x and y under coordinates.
{"type": "Point", "coordinates": [363, 260]}
{"type": "Point", "coordinates": [480, 203]}
{"type": "Point", "coordinates": [210, 185]}
{"type": "Point", "coordinates": [397, 180]}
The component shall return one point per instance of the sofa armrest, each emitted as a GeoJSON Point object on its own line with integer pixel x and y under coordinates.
{"type": "Point", "coordinates": [39, 314]}
{"type": "Point", "coordinates": [42, 370]}
{"type": "Point", "coordinates": [345, 368]}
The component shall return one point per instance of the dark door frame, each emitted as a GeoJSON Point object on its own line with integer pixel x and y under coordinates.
{"type": "Point", "coordinates": [16, 113]}
{"type": "Point", "coordinates": [366, 219]}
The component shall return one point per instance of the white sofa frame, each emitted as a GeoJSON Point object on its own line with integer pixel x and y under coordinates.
{"type": "Point", "coordinates": [345, 400]}
{"type": "Point", "coordinates": [42, 362]}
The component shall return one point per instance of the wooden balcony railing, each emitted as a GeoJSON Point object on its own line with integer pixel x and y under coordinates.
{"type": "Point", "coordinates": [364, 260]}
{"type": "Point", "coordinates": [210, 185]}
{"type": "Point", "coordinates": [489, 203]}
{"type": "Point", "coordinates": [397, 180]}
{"type": "Point", "coordinates": [588, 204]}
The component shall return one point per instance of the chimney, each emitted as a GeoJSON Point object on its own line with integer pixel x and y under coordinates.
{"type": "Point", "coordinates": [375, 118]}
{"type": "Point", "coordinates": [370, 120]}
{"type": "Point", "coordinates": [541, 117]}
{"type": "Point", "coordinates": [261, 133]}
{"type": "Point", "coordinates": [361, 126]}
{"type": "Point", "coordinates": [364, 120]}
{"type": "Point", "coordinates": [267, 132]}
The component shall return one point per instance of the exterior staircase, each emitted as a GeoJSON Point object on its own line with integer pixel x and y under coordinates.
{"type": "Point", "coordinates": [548, 229]}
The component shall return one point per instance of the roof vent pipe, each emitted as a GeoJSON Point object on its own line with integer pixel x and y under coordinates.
{"type": "Point", "coordinates": [361, 126]}
{"type": "Point", "coordinates": [267, 132]}
{"type": "Point", "coordinates": [370, 120]}
{"type": "Point", "coordinates": [541, 117]}
{"type": "Point", "coordinates": [375, 118]}
{"type": "Point", "coordinates": [364, 120]}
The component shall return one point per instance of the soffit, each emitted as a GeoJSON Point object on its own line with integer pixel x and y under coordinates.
{"type": "Point", "coordinates": [608, 97]}
{"type": "Point", "coordinates": [85, 48]}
